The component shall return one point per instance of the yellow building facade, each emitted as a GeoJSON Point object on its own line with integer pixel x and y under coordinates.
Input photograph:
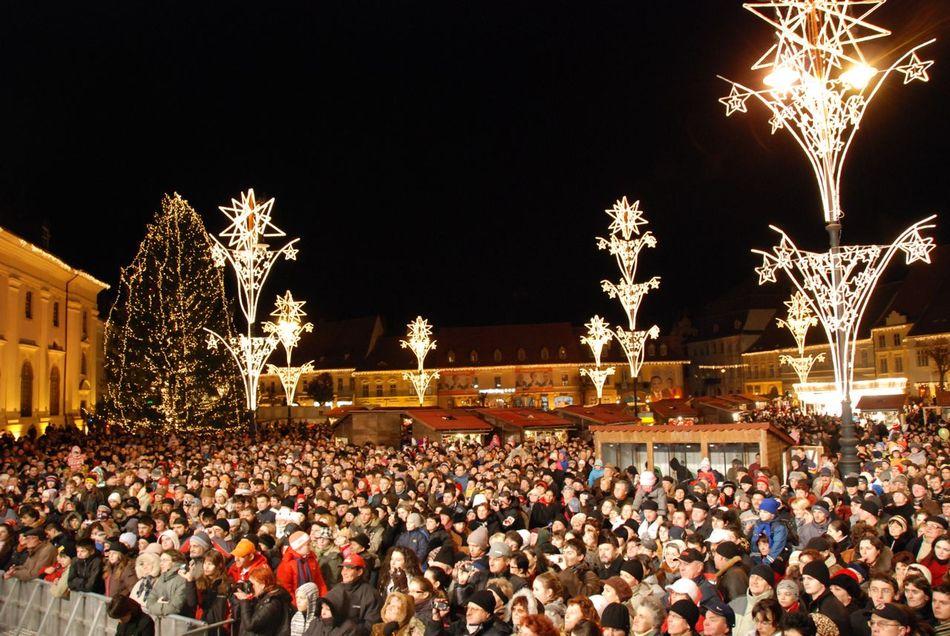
{"type": "Point", "coordinates": [50, 337]}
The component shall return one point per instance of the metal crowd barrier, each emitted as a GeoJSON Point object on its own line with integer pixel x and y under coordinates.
{"type": "Point", "coordinates": [29, 608]}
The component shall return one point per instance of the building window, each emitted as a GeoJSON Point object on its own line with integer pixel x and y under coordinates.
{"type": "Point", "coordinates": [54, 391]}
{"type": "Point", "coordinates": [923, 360]}
{"type": "Point", "coordinates": [379, 389]}
{"type": "Point", "coordinates": [883, 365]}
{"type": "Point", "coordinates": [545, 354]}
{"type": "Point", "coordinates": [366, 389]}
{"type": "Point", "coordinates": [83, 364]}
{"type": "Point", "coordinates": [651, 350]}
{"type": "Point", "coordinates": [899, 364]}
{"type": "Point", "coordinates": [392, 388]}
{"type": "Point", "coordinates": [497, 355]}
{"type": "Point", "coordinates": [339, 386]}
{"type": "Point", "coordinates": [771, 371]}
{"type": "Point", "coordinates": [864, 357]}
{"type": "Point", "coordinates": [451, 357]}
{"type": "Point", "coordinates": [663, 349]}
{"type": "Point", "coordinates": [473, 357]}
{"type": "Point", "coordinates": [897, 340]}
{"type": "Point", "coordinates": [26, 389]}
{"type": "Point", "coordinates": [497, 381]}
{"type": "Point", "coordinates": [881, 341]}
{"type": "Point", "coordinates": [521, 355]}
{"type": "Point", "coordinates": [56, 314]}
{"type": "Point", "coordinates": [28, 306]}
{"type": "Point", "coordinates": [561, 353]}
{"type": "Point", "coordinates": [85, 325]}
{"type": "Point", "coordinates": [565, 380]}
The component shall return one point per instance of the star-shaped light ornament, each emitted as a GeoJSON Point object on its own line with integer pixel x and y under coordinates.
{"type": "Point", "coordinates": [289, 309]}
{"type": "Point", "coordinates": [290, 253]}
{"type": "Point", "coordinates": [735, 101]}
{"type": "Point", "coordinates": [917, 248]}
{"type": "Point", "coordinates": [250, 220]}
{"type": "Point", "coordinates": [627, 218]}
{"type": "Point", "coordinates": [915, 69]}
{"type": "Point", "coordinates": [766, 272]}
{"type": "Point", "coordinates": [777, 123]}
{"type": "Point", "coordinates": [212, 342]}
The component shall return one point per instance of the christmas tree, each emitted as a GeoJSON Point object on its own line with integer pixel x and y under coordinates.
{"type": "Point", "coordinates": [159, 369]}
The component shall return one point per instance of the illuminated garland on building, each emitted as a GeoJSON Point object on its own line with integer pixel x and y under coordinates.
{"type": "Point", "coordinates": [419, 341]}
{"type": "Point", "coordinates": [251, 259]}
{"type": "Point", "coordinates": [158, 372]}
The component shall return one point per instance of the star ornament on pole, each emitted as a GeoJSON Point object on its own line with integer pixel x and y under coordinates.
{"type": "Point", "coordinates": [290, 377]}
{"type": "Point", "coordinates": [818, 83]}
{"type": "Point", "coordinates": [798, 321]}
{"type": "Point", "coordinates": [288, 325]}
{"type": "Point", "coordinates": [419, 341]}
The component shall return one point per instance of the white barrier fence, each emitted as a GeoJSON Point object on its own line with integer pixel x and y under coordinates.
{"type": "Point", "coordinates": [28, 608]}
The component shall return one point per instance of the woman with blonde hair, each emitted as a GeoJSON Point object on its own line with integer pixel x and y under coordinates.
{"type": "Point", "coordinates": [398, 617]}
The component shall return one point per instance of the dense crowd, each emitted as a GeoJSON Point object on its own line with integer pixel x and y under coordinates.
{"type": "Point", "coordinates": [289, 532]}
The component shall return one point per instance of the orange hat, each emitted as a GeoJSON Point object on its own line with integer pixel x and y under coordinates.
{"type": "Point", "coordinates": [354, 561]}
{"type": "Point", "coordinates": [243, 548]}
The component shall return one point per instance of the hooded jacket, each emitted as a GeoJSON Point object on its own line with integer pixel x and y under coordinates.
{"type": "Point", "coordinates": [339, 625]}
{"type": "Point", "coordinates": [302, 620]}
{"type": "Point", "coordinates": [295, 570]}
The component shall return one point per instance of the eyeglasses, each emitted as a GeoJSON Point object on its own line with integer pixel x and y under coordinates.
{"type": "Point", "coordinates": [882, 624]}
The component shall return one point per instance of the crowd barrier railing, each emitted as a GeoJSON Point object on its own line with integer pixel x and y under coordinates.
{"type": "Point", "coordinates": [29, 607]}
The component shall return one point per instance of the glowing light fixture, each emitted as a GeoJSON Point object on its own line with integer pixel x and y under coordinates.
{"type": "Point", "coordinates": [419, 341]}
{"type": "Point", "coordinates": [798, 321]}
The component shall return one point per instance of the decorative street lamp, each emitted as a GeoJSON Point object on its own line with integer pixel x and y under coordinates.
{"type": "Point", "coordinates": [625, 244]}
{"type": "Point", "coordinates": [818, 87]}
{"type": "Point", "coordinates": [598, 335]}
{"type": "Point", "coordinates": [288, 328]}
{"type": "Point", "coordinates": [251, 258]}
{"type": "Point", "coordinates": [798, 321]}
{"type": "Point", "coordinates": [419, 341]}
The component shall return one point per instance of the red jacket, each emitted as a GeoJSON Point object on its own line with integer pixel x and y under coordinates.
{"type": "Point", "coordinates": [239, 574]}
{"type": "Point", "coordinates": [289, 573]}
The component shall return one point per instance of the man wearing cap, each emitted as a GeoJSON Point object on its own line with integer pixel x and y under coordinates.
{"type": "Point", "coordinates": [699, 519]}
{"type": "Point", "coordinates": [608, 556]}
{"type": "Point", "coordinates": [691, 569]}
{"type": "Point", "coordinates": [499, 562]}
{"type": "Point", "coordinates": [615, 620]}
{"type": "Point", "coordinates": [818, 598]}
{"type": "Point", "coordinates": [772, 528]}
{"type": "Point", "coordinates": [40, 555]}
{"type": "Point", "coordinates": [479, 619]}
{"type": "Point", "coordinates": [732, 577]}
{"type": "Point", "coordinates": [354, 597]}
{"type": "Point", "coordinates": [682, 618]}
{"type": "Point", "coordinates": [298, 566]}
{"type": "Point", "coordinates": [934, 527]}
{"type": "Point", "coordinates": [720, 619]}
{"type": "Point", "coordinates": [246, 558]}
{"type": "Point", "coordinates": [415, 537]}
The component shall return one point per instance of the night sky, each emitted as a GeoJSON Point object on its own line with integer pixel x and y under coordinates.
{"type": "Point", "coordinates": [447, 158]}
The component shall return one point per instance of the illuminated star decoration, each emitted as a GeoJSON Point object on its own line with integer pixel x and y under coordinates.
{"type": "Point", "coordinates": [799, 320]}
{"type": "Point", "coordinates": [419, 341]}
{"type": "Point", "coordinates": [915, 69]}
{"type": "Point", "coordinates": [766, 272]}
{"type": "Point", "coordinates": [289, 324]}
{"type": "Point", "coordinates": [819, 82]}
{"type": "Point", "coordinates": [627, 218]}
{"type": "Point", "coordinates": [917, 248]}
{"type": "Point", "coordinates": [735, 101]}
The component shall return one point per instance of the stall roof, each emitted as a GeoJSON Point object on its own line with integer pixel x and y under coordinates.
{"type": "Point", "coordinates": [647, 430]}
{"type": "Point", "coordinates": [447, 420]}
{"type": "Point", "coordinates": [880, 403]}
{"type": "Point", "coordinates": [716, 403]}
{"type": "Point", "coordinates": [943, 398]}
{"type": "Point", "coordinates": [526, 418]}
{"type": "Point", "coordinates": [601, 413]}
{"type": "Point", "coordinates": [671, 408]}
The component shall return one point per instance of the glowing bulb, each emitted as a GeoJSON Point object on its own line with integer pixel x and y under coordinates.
{"type": "Point", "coordinates": [858, 75]}
{"type": "Point", "coordinates": [781, 79]}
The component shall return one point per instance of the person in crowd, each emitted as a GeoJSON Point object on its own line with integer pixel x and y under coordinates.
{"type": "Point", "coordinates": [213, 589]}
{"type": "Point", "coordinates": [85, 572]}
{"type": "Point", "coordinates": [119, 570]}
{"type": "Point", "coordinates": [298, 566]}
{"type": "Point", "coordinates": [132, 620]}
{"type": "Point", "coordinates": [266, 609]}
{"type": "Point", "coordinates": [170, 592]}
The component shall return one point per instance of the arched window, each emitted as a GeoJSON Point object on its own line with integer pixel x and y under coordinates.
{"type": "Point", "coordinates": [451, 357]}
{"type": "Point", "coordinates": [651, 350]}
{"type": "Point", "coordinates": [379, 388]}
{"type": "Point", "coordinates": [521, 355]}
{"type": "Point", "coordinates": [392, 387]}
{"type": "Point", "coordinates": [26, 389]}
{"type": "Point", "coordinates": [561, 353]}
{"type": "Point", "coordinates": [473, 356]}
{"type": "Point", "coordinates": [54, 391]}
{"type": "Point", "coordinates": [663, 349]}
{"type": "Point", "coordinates": [497, 355]}
{"type": "Point", "coordinates": [545, 354]}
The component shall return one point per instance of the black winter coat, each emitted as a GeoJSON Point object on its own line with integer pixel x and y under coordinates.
{"type": "Point", "coordinates": [85, 575]}
{"type": "Point", "coordinates": [141, 625]}
{"type": "Point", "coordinates": [360, 602]}
{"type": "Point", "coordinates": [268, 615]}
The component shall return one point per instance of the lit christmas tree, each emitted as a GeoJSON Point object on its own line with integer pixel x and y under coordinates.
{"type": "Point", "coordinates": [160, 372]}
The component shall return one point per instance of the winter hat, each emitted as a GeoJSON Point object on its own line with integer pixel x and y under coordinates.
{"type": "Point", "coordinates": [770, 505]}
{"type": "Point", "coordinates": [847, 583]}
{"type": "Point", "coordinates": [687, 587]}
{"type": "Point", "coordinates": [479, 537]}
{"type": "Point", "coordinates": [130, 539]}
{"type": "Point", "coordinates": [200, 539]}
{"type": "Point", "coordinates": [648, 479]}
{"type": "Point", "coordinates": [687, 610]}
{"type": "Point", "coordinates": [716, 606]}
{"type": "Point", "coordinates": [243, 548]}
{"type": "Point", "coordinates": [818, 571]}
{"type": "Point", "coordinates": [615, 616]}
{"type": "Point", "coordinates": [299, 540]}
{"type": "Point", "coordinates": [766, 573]}
{"type": "Point", "coordinates": [354, 561]}
{"type": "Point", "coordinates": [172, 536]}
{"type": "Point", "coordinates": [361, 540]}
{"type": "Point", "coordinates": [728, 550]}
{"type": "Point", "coordinates": [483, 599]}
{"type": "Point", "coordinates": [788, 585]}
{"type": "Point", "coordinates": [499, 549]}
{"type": "Point", "coordinates": [622, 589]}
{"type": "Point", "coordinates": [634, 568]}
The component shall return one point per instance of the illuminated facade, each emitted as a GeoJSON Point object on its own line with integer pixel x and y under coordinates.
{"type": "Point", "coordinates": [50, 337]}
{"type": "Point", "coordinates": [535, 366]}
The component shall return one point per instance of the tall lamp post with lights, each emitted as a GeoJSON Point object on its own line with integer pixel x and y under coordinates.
{"type": "Point", "coordinates": [251, 259]}
{"type": "Point", "coordinates": [817, 87]}
{"type": "Point", "coordinates": [287, 327]}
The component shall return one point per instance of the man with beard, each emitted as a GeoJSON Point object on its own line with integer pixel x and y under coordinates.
{"type": "Point", "coordinates": [608, 556]}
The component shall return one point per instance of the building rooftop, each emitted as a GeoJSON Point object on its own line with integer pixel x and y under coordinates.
{"type": "Point", "coordinates": [448, 419]}
{"type": "Point", "coordinates": [526, 418]}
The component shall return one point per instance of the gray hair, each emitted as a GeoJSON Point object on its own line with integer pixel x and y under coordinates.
{"type": "Point", "coordinates": [653, 606]}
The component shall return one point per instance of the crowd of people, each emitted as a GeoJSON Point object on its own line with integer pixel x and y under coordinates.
{"type": "Point", "coordinates": [292, 533]}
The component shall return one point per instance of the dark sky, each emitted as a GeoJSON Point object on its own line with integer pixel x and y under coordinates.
{"type": "Point", "coordinates": [450, 158]}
